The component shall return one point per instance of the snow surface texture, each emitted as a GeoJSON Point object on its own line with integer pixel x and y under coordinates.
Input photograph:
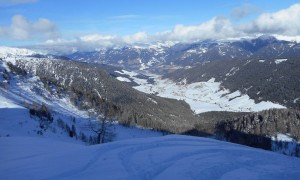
{"type": "Point", "coordinates": [201, 96]}
{"type": "Point", "coordinates": [168, 157]}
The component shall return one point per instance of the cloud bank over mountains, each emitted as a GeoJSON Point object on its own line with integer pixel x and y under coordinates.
{"type": "Point", "coordinates": [23, 29]}
{"type": "Point", "coordinates": [283, 24]}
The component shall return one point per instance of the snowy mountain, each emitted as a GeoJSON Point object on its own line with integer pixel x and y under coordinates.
{"type": "Point", "coordinates": [8, 51]}
{"type": "Point", "coordinates": [158, 56]}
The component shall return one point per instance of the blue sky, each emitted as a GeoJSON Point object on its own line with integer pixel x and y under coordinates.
{"type": "Point", "coordinates": [68, 20]}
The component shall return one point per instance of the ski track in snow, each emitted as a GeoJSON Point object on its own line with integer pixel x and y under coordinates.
{"type": "Point", "coordinates": [168, 157]}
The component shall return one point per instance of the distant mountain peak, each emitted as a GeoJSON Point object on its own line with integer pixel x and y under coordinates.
{"type": "Point", "coordinates": [266, 37]}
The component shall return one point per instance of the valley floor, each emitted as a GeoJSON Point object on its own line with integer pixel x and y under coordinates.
{"type": "Point", "coordinates": [201, 96]}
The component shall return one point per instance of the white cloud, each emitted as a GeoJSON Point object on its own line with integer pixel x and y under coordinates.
{"type": "Point", "coordinates": [97, 37]}
{"type": "Point", "coordinates": [22, 29]}
{"type": "Point", "coordinates": [243, 11]}
{"type": "Point", "coordinates": [89, 42]}
{"type": "Point", "coordinates": [284, 22]}
{"type": "Point", "coordinates": [14, 2]}
{"type": "Point", "coordinates": [216, 28]}
{"type": "Point", "coordinates": [140, 37]}
{"type": "Point", "coordinates": [288, 38]}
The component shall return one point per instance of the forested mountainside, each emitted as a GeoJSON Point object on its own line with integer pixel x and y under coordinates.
{"type": "Point", "coordinates": [275, 80]}
{"type": "Point", "coordinates": [260, 129]}
{"type": "Point", "coordinates": [92, 88]}
{"type": "Point", "coordinates": [265, 122]}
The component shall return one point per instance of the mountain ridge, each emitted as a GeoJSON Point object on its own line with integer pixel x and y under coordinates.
{"type": "Point", "coordinates": [152, 57]}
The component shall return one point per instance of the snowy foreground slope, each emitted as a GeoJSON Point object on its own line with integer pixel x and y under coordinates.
{"type": "Point", "coordinates": [168, 157]}
{"type": "Point", "coordinates": [15, 120]}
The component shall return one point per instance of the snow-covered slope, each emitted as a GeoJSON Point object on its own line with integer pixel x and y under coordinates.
{"type": "Point", "coordinates": [169, 157]}
{"type": "Point", "coordinates": [16, 121]}
{"type": "Point", "coordinates": [20, 93]}
{"type": "Point", "coordinates": [201, 96]}
{"type": "Point", "coordinates": [9, 51]}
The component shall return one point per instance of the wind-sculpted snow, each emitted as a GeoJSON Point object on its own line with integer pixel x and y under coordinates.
{"type": "Point", "coordinates": [169, 157]}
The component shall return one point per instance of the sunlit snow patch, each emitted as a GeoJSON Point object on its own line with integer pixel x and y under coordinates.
{"type": "Point", "coordinates": [123, 79]}
{"type": "Point", "coordinates": [278, 61]}
{"type": "Point", "coordinates": [6, 103]}
{"type": "Point", "coordinates": [282, 137]}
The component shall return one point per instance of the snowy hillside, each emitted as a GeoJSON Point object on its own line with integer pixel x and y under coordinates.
{"type": "Point", "coordinates": [16, 121]}
{"type": "Point", "coordinates": [169, 157]}
{"type": "Point", "coordinates": [201, 96]}
{"type": "Point", "coordinates": [9, 51]}
{"type": "Point", "coordinates": [18, 94]}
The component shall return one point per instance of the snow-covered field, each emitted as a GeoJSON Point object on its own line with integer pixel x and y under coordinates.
{"type": "Point", "coordinates": [168, 157]}
{"type": "Point", "coordinates": [201, 96]}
